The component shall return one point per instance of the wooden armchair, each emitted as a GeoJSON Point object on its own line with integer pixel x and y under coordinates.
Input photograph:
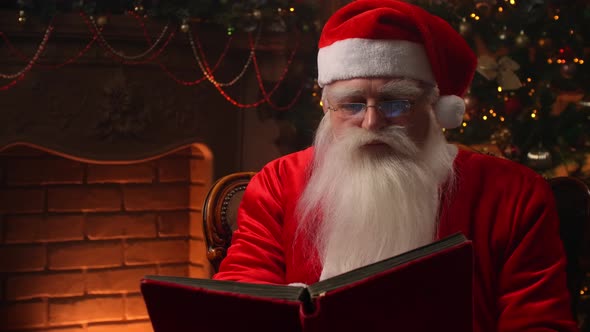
{"type": "Point", "coordinates": [220, 213]}
{"type": "Point", "coordinates": [573, 206]}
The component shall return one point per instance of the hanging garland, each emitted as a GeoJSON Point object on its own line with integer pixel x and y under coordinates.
{"type": "Point", "coordinates": [140, 20]}
{"type": "Point", "coordinates": [155, 48]}
{"type": "Point", "coordinates": [240, 15]}
{"type": "Point", "coordinates": [130, 59]}
{"type": "Point", "coordinates": [205, 68]}
{"type": "Point", "coordinates": [18, 76]}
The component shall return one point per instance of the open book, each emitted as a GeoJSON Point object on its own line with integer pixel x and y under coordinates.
{"type": "Point", "coordinates": [426, 289]}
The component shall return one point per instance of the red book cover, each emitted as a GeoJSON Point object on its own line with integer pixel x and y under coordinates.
{"type": "Point", "coordinates": [176, 307]}
{"type": "Point", "coordinates": [426, 289]}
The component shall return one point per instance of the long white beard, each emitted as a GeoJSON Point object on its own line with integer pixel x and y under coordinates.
{"type": "Point", "coordinates": [372, 205]}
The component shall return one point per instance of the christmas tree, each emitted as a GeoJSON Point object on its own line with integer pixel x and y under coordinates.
{"type": "Point", "coordinates": [529, 100]}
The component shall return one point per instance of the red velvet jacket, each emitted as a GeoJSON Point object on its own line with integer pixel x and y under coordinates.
{"type": "Point", "coordinates": [507, 210]}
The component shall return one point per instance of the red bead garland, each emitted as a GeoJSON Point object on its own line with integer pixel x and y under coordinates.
{"type": "Point", "coordinates": [23, 57]}
{"type": "Point", "coordinates": [152, 54]}
{"type": "Point", "coordinates": [139, 19]}
{"type": "Point", "coordinates": [21, 74]}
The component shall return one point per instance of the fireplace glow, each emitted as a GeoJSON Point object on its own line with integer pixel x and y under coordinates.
{"type": "Point", "coordinates": [78, 236]}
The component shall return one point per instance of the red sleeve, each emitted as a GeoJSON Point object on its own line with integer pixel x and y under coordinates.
{"type": "Point", "coordinates": [532, 289]}
{"type": "Point", "coordinates": [256, 254]}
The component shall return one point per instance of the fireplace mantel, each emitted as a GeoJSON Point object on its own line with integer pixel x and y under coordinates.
{"type": "Point", "coordinates": [98, 109]}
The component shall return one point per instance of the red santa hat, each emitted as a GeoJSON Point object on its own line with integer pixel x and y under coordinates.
{"type": "Point", "coordinates": [390, 38]}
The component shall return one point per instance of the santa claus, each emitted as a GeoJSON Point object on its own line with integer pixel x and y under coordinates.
{"type": "Point", "coordinates": [380, 178]}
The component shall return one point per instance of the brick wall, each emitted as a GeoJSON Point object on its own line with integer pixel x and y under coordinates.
{"type": "Point", "coordinates": [76, 238]}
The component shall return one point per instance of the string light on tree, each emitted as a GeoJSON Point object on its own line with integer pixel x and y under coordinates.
{"type": "Point", "coordinates": [522, 40]}
{"type": "Point", "coordinates": [465, 27]}
{"type": "Point", "coordinates": [503, 35]}
{"type": "Point", "coordinates": [138, 6]}
{"type": "Point", "coordinates": [22, 17]}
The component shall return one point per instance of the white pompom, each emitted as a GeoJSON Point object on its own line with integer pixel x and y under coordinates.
{"type": "Point", "coordinates": [449, 111]}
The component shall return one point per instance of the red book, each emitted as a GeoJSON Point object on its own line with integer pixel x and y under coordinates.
{"type": "Point", "coordinates": [426, 289]}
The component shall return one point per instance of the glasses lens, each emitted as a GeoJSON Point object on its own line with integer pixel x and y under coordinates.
{"type": "Point", "coordinates": [351, 108]}
{"type": "Point", "coordinates": [394, 108]}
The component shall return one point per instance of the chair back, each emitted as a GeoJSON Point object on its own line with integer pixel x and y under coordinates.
{"type": "Point", "coordinates": [572, 197]}
{"type": "Point", "coordinates": [220, 213]}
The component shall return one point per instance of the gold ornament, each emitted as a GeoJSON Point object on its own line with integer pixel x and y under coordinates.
{"type": "Point", "coordinates": [257, 14]}
{"type": "Point", "coordinates": [465, 28]}
{"type": "Point", "coordinates": [484, 7]}
{"type": "Point", "coordinates": [539, 158]}
{"type": "Point", "coordinates": [568, 70]}
{"type": "Point", "coordinates": [102, 20]}
{"type": "Point", "coordinates": [522, 40]}
{"type": "Point", "coordinates": [184, 27]}
{"type": "Point", "coordinates": [544, 43]}
{"type": "Point", "coordinates": [501, 138]}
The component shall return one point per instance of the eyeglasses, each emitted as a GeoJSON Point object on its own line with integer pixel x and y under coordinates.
{"type": "Point", "coordinates": [390, 109]}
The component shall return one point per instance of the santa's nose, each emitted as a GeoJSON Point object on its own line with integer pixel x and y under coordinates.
{"type": "Point", "coordinates": [373, 119]}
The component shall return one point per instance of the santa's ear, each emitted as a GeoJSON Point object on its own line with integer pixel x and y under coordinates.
{"type": "Point", "coordinates": [324, 107]}
{"type": "Point", "coordinates": [324, 101]}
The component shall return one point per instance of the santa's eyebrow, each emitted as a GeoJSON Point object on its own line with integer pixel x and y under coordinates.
{"type": "Point", "coordinates": [401, 88]}
{"type": "Point", "coordinates": [345, 93]}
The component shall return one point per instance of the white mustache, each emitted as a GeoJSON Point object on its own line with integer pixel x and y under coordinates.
{"type": "Point", "coordinates": [395, 137]}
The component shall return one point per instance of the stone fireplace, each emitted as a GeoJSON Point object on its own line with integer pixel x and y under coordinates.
{"type": "Point", "coordinates": [104, 165]}
{"type": "Point", "coordinates": [78, 236]}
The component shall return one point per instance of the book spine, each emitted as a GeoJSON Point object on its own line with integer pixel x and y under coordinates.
{"type": "Point", "coordinates": [309, 313]}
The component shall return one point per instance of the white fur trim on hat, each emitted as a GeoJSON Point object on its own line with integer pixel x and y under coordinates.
{"type": "Point", "coordinates": [358, 58]}
{"type": "Point", "coordinates": [449, 111]}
